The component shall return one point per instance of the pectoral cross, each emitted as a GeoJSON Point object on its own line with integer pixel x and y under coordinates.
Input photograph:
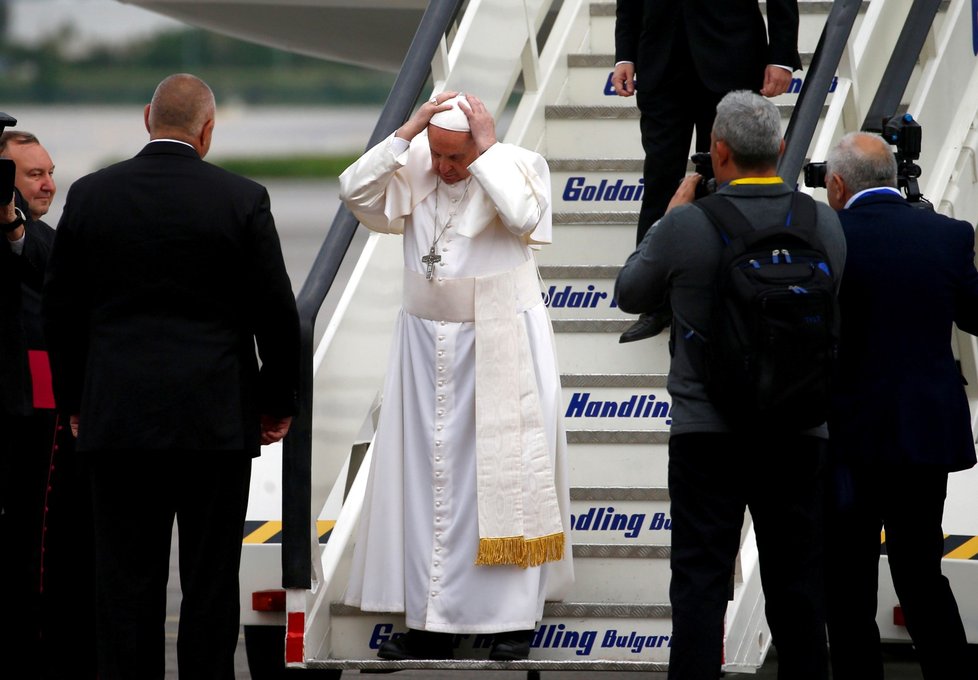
{"type": "Point", "coordinates": [430, 260]}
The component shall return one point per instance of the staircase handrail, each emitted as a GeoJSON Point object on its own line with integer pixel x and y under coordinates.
{"type": "Point", "coordinates": [808, 107]}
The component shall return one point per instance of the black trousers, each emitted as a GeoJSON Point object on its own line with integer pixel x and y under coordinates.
{"type": "Point", "coordinates": [47, 560]}
{"type": "Point", "coordinates": [908, 502]}
{"type": "Point", "coordinates": [713, 479]}
{"type": "Point", "coordinates": [670, 111]}
{"type": "Point", "coordinates": [137, 494]}
{"type": "Point", "coordinates": [68, 640]}
{"type": "Point", "coordinates": [25, 455]}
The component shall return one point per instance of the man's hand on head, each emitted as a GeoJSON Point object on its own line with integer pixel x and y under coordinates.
{"type": "Point", "coordinates": [419, 121]}
{"type": "Point", "coordinates": [481, 124]}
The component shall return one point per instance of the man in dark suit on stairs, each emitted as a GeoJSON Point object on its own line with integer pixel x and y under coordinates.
{"type": "Point", "coordinates": [900, 420]}
{"type": "Point", "coordinates": [679, 58]}
{"type": "Point", "coordinates": [166, 273]}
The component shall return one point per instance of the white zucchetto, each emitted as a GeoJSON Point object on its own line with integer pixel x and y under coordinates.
{"type": "Point", "coordinates": [454, 118]}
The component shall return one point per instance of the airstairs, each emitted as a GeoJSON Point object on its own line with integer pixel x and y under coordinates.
{"type": "Point", "coordinates": [544, 68]}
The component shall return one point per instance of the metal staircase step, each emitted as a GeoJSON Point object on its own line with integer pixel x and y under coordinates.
{"type": "Point", "coordinates": [580, 291]}
{"type": "Point", "coordinates": [554, 609]}
{"type": "Point", "coordinates": [604, 237]}
{"type": "Point", "coordinates": [613, 380]}
{"type": "Point", "coordinates": [611, 551]}
{"type": "Point", "coordinates": [597, 60]}
{"type": "Point", "coordinates": [619, 493]}
{"type": "Point", "coordinates": [618, 457]}
{"type": "Point", "coordinates": [557, 112]}
{"type": "Point", "coordinates": [607, 243]}
{"type": "Point", "coordinates": [619, 402]}
{"type": "Point", "coordinates": [377, 666]}
{"type": "Point", "coordinates": [597, 191]}
{"type": "Point", "coordinates": [596, 165]}
{"type": "Point", "coordinates": [626, 218]}
{"type": "Point", "coordinates": [591, 325]}
{"type": "Point", "coordinates": [625, 636]}
{"type": "Point", "coordinates": [591, 346]}
{"type": "Point", "coordinates": [579, 271]}
{"type": "Point", "coordinates": [621, 573]}
{"type": "Point", "coordinates": [621, 515]}
{"type": "Point", "coordinates": [616, 437]}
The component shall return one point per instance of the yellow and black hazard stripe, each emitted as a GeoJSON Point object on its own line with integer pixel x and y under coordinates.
{"type": "Point", "coordinates": [259, 532]}
{"type": "Point", "coordinates": [956, 547]}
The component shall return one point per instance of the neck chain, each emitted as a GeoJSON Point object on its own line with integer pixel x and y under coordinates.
{"type": "Point", "coordinates": [433, 258]}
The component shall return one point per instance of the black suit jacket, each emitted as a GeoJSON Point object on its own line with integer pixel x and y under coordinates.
{"type": "Point", "coordinates": [727, 39]}
{"type": "Point", "coordinates": [166, 272]}
{"type": "Point", "coordinates": [21, 277]}
{"type": "Point", "coordinates": [909, 275]}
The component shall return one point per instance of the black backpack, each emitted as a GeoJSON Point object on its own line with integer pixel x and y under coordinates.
{"type": "Point", "coordinates": [774, 330]}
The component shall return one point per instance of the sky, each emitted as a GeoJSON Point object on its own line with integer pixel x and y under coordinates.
{"type": "Point", "coordinates": [98, 21]}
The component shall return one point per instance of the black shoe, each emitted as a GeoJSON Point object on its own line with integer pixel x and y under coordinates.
{"type": "Point", "coordinates": [513, 645]}
{"type": "Point", "coordinates": [417, 644]}
{"type": "Point", "coordinates": [647, 326]}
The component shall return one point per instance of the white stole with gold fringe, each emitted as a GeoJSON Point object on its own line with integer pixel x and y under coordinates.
{"type": "Point", "coordinates": [519, 517]}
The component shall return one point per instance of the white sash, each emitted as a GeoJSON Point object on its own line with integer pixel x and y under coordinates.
{"type": "Point", "coordinates": [519, 518]}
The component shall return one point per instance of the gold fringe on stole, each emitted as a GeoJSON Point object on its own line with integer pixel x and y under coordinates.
{"type": "Point", "coordinates": [521, 551]}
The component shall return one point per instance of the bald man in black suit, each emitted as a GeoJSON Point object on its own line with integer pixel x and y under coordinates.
{"type": "Point", "coordinates": [679, 58]}
{"type": "Point", "coordinates": [165, 275]}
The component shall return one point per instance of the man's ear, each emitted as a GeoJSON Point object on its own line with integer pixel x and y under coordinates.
{"type": "Point", "coordinates": [146, 118]}
{"type": "Point", "coordinates": [836, 190]}
{"type": "Point", "coordinates": [722, 152]}
{"type": "Point", "coordinates": [206, 134]}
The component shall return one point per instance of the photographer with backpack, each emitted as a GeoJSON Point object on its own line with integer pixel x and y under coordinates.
{"type": "Point", "coordinates": [900, 420]}
{"type": "Point", "coordinates": [749, 385]}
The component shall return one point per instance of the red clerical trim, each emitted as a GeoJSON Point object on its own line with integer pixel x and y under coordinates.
{"type": "Point", "coordinates": [41, 376]}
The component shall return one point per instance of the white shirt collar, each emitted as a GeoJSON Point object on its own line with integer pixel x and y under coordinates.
{"type": "Point", "coordinates": [177, 141]}
{"type": "Point", "coordinates": [873, 190]}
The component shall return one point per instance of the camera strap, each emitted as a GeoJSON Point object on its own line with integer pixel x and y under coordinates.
{"type": "Point", "coordinates": [18, 220]}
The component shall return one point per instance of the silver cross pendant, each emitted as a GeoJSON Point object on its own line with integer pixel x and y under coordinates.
{"type": "Point", "coordinates": [430, 260]}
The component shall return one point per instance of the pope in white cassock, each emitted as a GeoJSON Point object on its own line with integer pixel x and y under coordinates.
{"type": "Point", "coordinates": [466, 518]}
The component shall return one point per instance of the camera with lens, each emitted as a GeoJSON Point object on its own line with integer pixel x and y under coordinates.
{"type": "Point", "coordinates": [815, 174]}
{"type": "Point", "coordinates": [703, 166]}
{"type": "Point", "coordinates": [905, 134]}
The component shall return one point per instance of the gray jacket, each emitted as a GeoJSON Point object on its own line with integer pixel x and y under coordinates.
{"type": "Point", "coordinates": [677, 262]}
